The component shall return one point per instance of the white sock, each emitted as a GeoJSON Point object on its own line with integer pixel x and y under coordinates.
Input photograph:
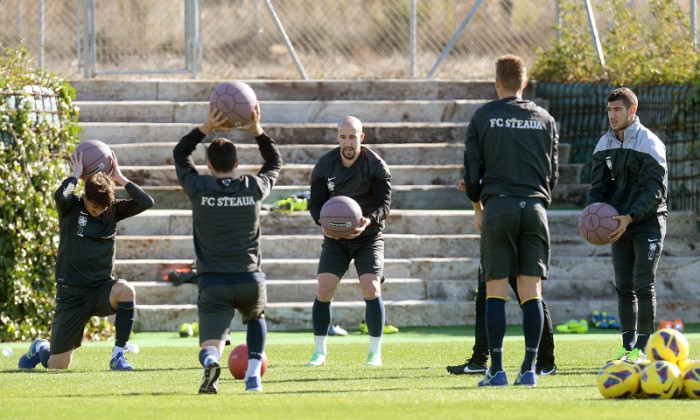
{"type": "Point", "coordinates": [320, 343]}
{"type": "Point", "coordinates": [254, 368]}
{"type": "Point", "coordinates": [117, 350]}
{"type": "Point", "coordinates": [375, 343]}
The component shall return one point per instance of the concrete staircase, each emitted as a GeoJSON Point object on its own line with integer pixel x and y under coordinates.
{"type": "Point", "coordinates": [431, 246]}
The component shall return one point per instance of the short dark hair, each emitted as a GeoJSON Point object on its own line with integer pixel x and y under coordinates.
{"type": "Point", "coordinates": [99, 190]}
{"type": "Point", "coordinates": [222, 154]}
{"type": "Point", "coordinates": [511, 72]}
{"type": "Point", "coordinates": [625, 95]}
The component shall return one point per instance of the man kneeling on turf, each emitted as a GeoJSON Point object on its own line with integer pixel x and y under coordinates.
{"type": "Point", "coordinates": [85, 282]}
{"type": "Point", "coordinates": [226, 226]}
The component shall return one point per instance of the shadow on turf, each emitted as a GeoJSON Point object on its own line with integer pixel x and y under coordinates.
{"type": "Point", "coordinates": [66, 371]}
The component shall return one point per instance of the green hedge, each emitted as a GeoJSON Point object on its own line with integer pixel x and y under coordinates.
{"type": "Point", "coordinates": [38, 126]}
{"type": "Point", "coordinates": [638, 49]}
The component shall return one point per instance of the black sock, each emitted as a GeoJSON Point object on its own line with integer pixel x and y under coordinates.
{"type": "Point", "coordinates": [642, 340]}
{"type": "Point", "coordinates": [255, 338]}
{"type": "Point", "coordinates": [495, 331]}
{"type": "Point", "coordinates": [321, 317]}
{"type": "Point", "coordinates": [44, 354]}
{"type": "Point", "coordinates": [532, 329]}
{"type": "Point", "coordinates": [208, 352]}
{"type": "Point", "coordinates": [375, 316]}
{"type": "Point", "coordinates": [124, 322]}
{"type": "Point", "coordinates": [628, 339]}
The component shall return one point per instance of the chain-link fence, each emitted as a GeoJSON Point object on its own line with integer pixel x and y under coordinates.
{"type": "Point", "coordinates": [291, 38]}
{"type": "Point", "coordinates": [21, 21]}
{"type": "Point", "coordinates": [243, 38]}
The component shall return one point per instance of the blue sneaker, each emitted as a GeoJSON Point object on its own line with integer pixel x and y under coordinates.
{"type": "Point", "coordinates": [499, 379]}
{"type": "Point", "coordinates": [529, 378]}
{"type": "Point", "coordinates": [612, 322]}
{"type": "Point", "coordinates": [30, 359]}
{"type": "Point", "coordinates": [210, 380]}
{"type": "Point", "coordinates": [253, 384]}
{"type": "Point", "coordinates": [119, 362]}
{"type": "Point", "coordinates": [599, 320]}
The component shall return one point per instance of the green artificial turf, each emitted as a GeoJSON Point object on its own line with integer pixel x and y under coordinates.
{"type": "Point", "coordinates": [412, 383]}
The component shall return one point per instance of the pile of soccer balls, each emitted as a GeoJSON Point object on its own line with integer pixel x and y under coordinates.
{"type": "Point", "coordinates": [668, 373]}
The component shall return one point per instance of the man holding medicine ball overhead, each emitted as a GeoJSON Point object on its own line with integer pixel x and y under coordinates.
{"type": "Point", "coordinates": [226, 228]}
{"type": "Point", "coordinates": [357, 172]}
{"type": "Point", "coordinates": [86, 284]}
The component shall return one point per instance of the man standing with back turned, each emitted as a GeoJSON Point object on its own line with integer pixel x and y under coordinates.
{"type": "Point", "coordinates": [510, 169]}
{"type": "Point", "coordinates": [629, 172]}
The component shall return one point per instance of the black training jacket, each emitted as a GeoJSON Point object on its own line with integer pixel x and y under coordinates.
{"type": "Point", "coordinates": [367, 181]}
{"type": "Point", "coordinates": [511, 150]}
{"type": "Point", "coordinates": [226, 211]}
{"type": "Point", "coordinates": [630, 175]}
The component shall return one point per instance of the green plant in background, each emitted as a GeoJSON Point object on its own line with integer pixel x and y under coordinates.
{"type": "Point", "coordinates": [639, 49]}
{"type": "Point", "coordinates": [38, 123]}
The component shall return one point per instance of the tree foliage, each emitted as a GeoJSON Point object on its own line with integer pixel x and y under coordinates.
{"type": "Point", "coordinates": [652, 49]}
{"type": "Point", "coordinates": [38, 126]}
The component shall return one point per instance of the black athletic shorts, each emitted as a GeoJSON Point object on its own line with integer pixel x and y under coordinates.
{"type": "Point", "coordinates": [368, 254]}
{"type": "Point", "coordinates": [75, 305]}
{"type": "Point", "coordinates": [514, 238]}
{"type": "Point", "coordinates": [216, 305]}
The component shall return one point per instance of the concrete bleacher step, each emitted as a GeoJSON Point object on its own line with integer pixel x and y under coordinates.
{"type": "Point", "coordinates": [297, 315]}
{"type": "Point", "coordinates": [457, 110]}
{"type": "Point", "coordinates": [298, 174]}
{"type": "Point", "coordinates": [284, 290]}
{"type": "Point", "coordinates": [426, 197]}
{"type": "Point", "coordinates": [147, 154]}
{"type": "Point", "coordinates": [396, 246]}
{"type": "Point", "coordinates": [294, 133]}
{"type": "Point", "coordinates": [299, 268]}
{"type": "Point", "coordinates": [309, 90]}
{"type": "Point", "coordinates": [418, 222]}
{"type": "Point", "coordinates": [157, 154]}
{"type": "Point", "coordinates": [304, 246]}
{"type": "Point", "coordinates": [403, 313]}
{"type": "Point", "coordinates": [566, 268]}
{"type": "Point", "coordinates": [280, 290]}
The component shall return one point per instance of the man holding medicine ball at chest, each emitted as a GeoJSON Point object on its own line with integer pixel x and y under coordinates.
{"type": "Point", "coordinates": [354, 171]}
{"type": "Point", "coordinates": [629, 172]}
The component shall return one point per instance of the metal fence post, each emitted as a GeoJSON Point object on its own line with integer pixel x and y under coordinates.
{"type": "Point", "coordinates": [290, 47]}
{"type": "Point", "coordinates": [18, 17]}
{"type": "Point", "coordinates": [93, 39]}
{"type": "Point", "coordinates": [557, 18]}
{"type": "Point", "coordinates": [693, 23]}
{"type": "Point", "coordinates": [413, 39]}
{"type": "Point", "coordinates": [257, 25]}
{"type": "Point", "coordinates": [450, 44]}
{"type": "Point", "coordinates": [594, 33]}
{"type": "Point", "coordinates": [41, 33]}
{"type": "Point", "coordinates": [192, 40]}
{"type": "Point", "coordinates": [86, 39]}
{"type": "Point", "coordinates": [78, 51]}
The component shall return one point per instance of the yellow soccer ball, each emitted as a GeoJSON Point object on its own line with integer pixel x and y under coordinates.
{"type": "Point", "coordinates": [618, 379]}
{"type": "Point", "coordinates": [691, 379]}
{"type": "Point", "coordinates": [662, 380]}
{"type": "Point", "coordinates": [669, 345]}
